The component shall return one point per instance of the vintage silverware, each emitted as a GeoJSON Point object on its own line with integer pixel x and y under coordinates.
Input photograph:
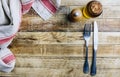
{"type": "Point", "coordinates": [86, 35]}
{"type": "Point", "coordinates": [95, 46]}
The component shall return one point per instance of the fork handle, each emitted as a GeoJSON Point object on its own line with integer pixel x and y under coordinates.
{"type": "Point", "coordinates": [93, 66]}
{"type": "Point", "coordinates": [86, 64]}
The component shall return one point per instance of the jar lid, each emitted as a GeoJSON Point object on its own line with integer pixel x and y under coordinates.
{"type": "Point", "coordinates": [94, 8]}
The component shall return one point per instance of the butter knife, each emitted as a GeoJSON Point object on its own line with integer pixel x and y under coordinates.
{"type": "Point", "coordinates": [95, 46]}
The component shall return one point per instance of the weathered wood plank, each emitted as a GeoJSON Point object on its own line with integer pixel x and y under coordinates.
{"type": "Point", "coordinates": [111, 13]}
{"type": "Point", "coordinates": [108, 11]}
{"type": "Point", "coordinates": [84, 2]}
{"type": "Point", "coordinates": [32, 65]}
{"type": "Point", "coordinates": [35, 24]}
{"type": "Point", "coordinates": [65, 50]}
{"type": "Point", "coordinates": [64, 62]}
{"type": "Point", "coordinates": [36, 38]}
{"type": "Point", "coordinates": [38, 72]}
{"type": "Point", "coordinates": [108, 21]}
{"type": "Point", "coordinates": [65, 10]}
{"type": "Point", "coordinates": [64, 44]}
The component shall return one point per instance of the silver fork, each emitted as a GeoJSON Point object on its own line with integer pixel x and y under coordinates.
{"type": "Point", "coordinates": [86, 35]}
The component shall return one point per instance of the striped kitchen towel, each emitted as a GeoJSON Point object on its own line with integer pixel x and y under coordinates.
{"type": "Point", "coordinates": [44, 8]}
{"type": "Point", "coordinates": [10, 16]}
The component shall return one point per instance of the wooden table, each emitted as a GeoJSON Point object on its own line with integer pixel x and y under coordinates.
{"type": "Point", "coordinates": [55, 48]}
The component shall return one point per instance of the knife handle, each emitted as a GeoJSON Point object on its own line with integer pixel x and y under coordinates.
{"type": "Point", "coordinates": [86, 64]}
{"type": "Point", "coordinates": [93, 66]}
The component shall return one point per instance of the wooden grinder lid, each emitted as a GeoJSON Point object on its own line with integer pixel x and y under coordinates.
{"type": "Point", "coordinates": [76, 14]}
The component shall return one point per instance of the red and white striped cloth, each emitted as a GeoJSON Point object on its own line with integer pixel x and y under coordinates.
{"type": "Point", "coordinates": [44, 8]}
{"type": "Point", "coordinates": [10, 16]}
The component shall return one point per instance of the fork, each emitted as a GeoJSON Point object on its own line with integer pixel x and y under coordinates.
{"type": "Point", "coordinates": [86, 35]}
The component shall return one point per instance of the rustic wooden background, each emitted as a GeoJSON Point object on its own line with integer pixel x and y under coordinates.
{"type": "Point", "coordinates": [55, 48]}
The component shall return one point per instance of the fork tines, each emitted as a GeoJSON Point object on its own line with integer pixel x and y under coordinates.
{"type": "Point", "coordinates": [87, 29]}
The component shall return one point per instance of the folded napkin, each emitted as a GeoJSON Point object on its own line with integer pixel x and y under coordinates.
{"type": "Point", "coordinates": [10, 16]}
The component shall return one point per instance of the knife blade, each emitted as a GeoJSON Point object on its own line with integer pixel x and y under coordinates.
{"type": "Point", "coordinates": [95, 35]}
{"type": "Point", "coordinates": [95, 46]}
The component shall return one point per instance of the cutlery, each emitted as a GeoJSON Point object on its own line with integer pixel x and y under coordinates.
{"type": "Point", "coordinates": [86, 35]}
{"type": "Point", "coordinates": [95, 46]}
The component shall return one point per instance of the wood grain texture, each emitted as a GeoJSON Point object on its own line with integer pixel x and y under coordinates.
{"type": "Point", "coordinates": [65, 50]}
{"type": "Point", "coordinates": [62, 67]}
{"type": "Point", "coordinates": [84, 2]}
{"type": "Point", "coordinates": [64, 43]}
{"type": "Point", "coordinates": [63, 38]}
{"type": "Point", "coordinates": [109, 21]}
{"type": "Point", "coordinates": [55, 47]}
{"type": "Point", "coordinates": [38, 72]}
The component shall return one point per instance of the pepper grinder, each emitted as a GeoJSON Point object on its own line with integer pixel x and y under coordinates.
{"type": "Point", "coordinates": [75, 15]}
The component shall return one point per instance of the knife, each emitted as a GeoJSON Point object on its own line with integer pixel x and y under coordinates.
{"type": "Point", "coordinates": [95, 46]}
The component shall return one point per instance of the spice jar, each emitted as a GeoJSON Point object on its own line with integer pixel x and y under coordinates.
{"type": "Point", "coordinates": [92, 9]}
{"type": "Point", "coordinates": [75, 15]}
